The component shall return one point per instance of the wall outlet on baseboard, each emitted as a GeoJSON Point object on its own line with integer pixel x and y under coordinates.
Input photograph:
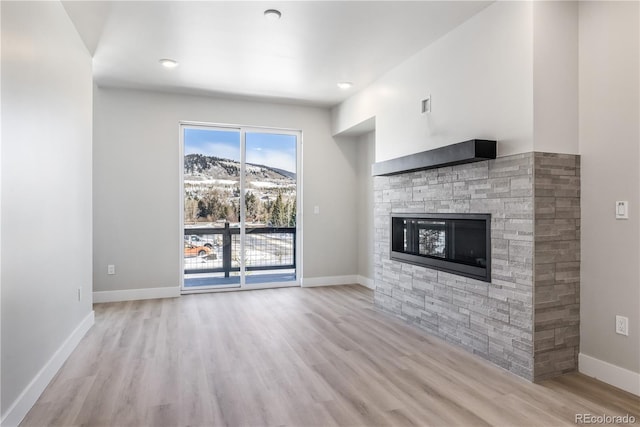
{"type": "Point", "coordinates": [111, 269]}
{"type": "Point", "coordinates": [622, 325]}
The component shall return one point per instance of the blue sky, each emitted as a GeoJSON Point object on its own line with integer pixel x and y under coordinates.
{"type": "Point", "coordinates": [278, 151]}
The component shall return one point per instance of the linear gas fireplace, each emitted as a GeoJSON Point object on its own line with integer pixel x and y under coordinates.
{"type": "Point", "coordinates": [516, 315]}
{"type": "Point", "coordinates": [455, 243]}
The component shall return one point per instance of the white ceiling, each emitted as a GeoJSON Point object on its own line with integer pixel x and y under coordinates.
{"type": "Point", "coordinates": [228, 48]}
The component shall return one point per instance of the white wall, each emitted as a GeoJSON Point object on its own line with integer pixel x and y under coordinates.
{"type": "Point", "coordinates": [46, 194]}
{"type": "Point", "coordinates": [136, 184]}
{"type": "Point", "coordinates": [366, 157]}
{"type": "Point", "coordinates": [609, 148]}
{"type": "Point", "coordinates": [480, 80]}
{"type": "Point", "coordinates": [555, 76]}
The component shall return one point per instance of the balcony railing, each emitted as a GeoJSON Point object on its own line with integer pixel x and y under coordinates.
{"type": "Point", "coordinates": [266, 248]}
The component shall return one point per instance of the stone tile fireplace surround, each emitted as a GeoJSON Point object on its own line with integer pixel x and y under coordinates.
{"type": "Point", "coordinates": [526, 319]}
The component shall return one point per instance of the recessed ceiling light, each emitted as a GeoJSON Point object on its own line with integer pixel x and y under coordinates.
{"type": "Point", "coordinates": [272, 14]}
{"type": "Point", "coordinates": [345, 85]}
{"type": "Point", "coordinates": [168, 63]}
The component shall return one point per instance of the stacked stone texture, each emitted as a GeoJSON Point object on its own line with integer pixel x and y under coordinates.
{"type": "Point", "coordinates": [557, 264]}
{"type": "Point", "coordinates": [493, 320]}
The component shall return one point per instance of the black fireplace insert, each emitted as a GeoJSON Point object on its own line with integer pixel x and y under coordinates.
{"type": "Point", "coordinates": [455, 243]}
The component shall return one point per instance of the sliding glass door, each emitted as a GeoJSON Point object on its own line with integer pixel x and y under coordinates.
{"type": "Point", "coordinates": [240, 207]}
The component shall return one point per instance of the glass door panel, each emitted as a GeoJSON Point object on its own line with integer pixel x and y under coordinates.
{"type": "Point", "coordinates": [211, 180]}
{"type": "Point", "coordinates": [270, 207]}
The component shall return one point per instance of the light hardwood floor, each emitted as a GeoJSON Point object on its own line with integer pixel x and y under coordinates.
{"type": "Point", "coordinates": [295, 357]}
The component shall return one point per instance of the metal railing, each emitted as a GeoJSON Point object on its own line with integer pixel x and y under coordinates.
{"type": "Point", "coordinates": [266, 248]}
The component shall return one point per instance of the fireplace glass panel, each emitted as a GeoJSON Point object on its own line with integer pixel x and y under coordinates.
{"type": "Point", "coordinates": [432, 238]}
{"type": "Point", "coordinates": [456, 243]}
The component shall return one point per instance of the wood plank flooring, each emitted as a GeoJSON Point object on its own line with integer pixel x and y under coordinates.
{"type": "Point", "coordinates": [294, 357]}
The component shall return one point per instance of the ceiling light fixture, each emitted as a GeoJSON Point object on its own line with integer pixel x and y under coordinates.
{"type": "Point", "coordinates": [345, 85]}
{"type": "Point", "coordinates": [168, 63]}
{"type": "Point", "coordinates": [272, 14]}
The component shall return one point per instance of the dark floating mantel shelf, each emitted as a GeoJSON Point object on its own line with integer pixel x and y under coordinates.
{"type": "Point", "coordinates": [474, 150]}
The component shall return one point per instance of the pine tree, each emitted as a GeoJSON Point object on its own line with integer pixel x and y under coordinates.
{"type": "Point", "coordinates": [293, 212]}
{"type": "Point", "coordinates": [251, 205]}
{"type": "Point", "coordinates": [277, 212]}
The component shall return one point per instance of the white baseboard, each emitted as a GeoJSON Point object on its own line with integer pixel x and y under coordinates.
{"type": "Point", "coordinates": [366, 282]}
{"type": "Point", "coordinates": [135, 294]}
{"type": "Point", "coordinates": [611, 374]}
{"type": "Point", "coordinates": [19, 409]}
{"type": "Point", "coordinates": [338, 280]}
{"type": "Point", "coordinates": [329, 281]}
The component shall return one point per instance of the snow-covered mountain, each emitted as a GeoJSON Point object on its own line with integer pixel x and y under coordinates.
{"type": "Point", "coordinates": [201, 167]}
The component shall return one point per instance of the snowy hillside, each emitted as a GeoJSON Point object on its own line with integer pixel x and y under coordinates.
{"type": "Point", "coordinates": [198, 167]}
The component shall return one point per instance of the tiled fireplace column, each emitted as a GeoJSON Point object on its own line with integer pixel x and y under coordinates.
{"type": "Point", "coordinates": [526, 319]}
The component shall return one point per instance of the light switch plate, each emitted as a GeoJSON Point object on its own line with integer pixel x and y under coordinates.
{"type": "Point", "coordinates": [425, 105]}
{"type": "Point", "coordinates": [622, 209]}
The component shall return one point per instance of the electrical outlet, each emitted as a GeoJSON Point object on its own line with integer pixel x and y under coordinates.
{"type": "Point", "coordinates": [622, 209]}
{"type": "Point", "coordinates": [622, 325]}
{"type": "Point", "coordinates": [111, 269]}
{"type": "Point", "coordinates": [79, 294]}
